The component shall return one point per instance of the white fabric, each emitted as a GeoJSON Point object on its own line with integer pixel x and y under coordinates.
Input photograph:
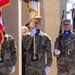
{"type": "Point", "coordinates": [32, 33]}
{"type": "Point", "coordinates": [57, 52]}
{"type": "Point", "coordinates": [13, 69]}
{"type": "Point", "coordinates": [33, 5]}
{"type": "Point", "coordinates": [47, 69]}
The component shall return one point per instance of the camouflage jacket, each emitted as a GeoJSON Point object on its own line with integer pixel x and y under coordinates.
{"type": "Point", "coordinates": [66, 60]}
{"type": "Point", "coordinates": [42, 44]}
{"type": "Point", "coordinates": [8, 51]}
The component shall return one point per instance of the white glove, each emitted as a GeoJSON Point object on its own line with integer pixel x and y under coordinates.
{"type": "Point", "coordinates": [13, 69]}
{"type": "Point", "coordinates": [57, 52]}
{"type": "Point", "coordinates": [47, 69]}
{"type": "Point", "coordinates": [33, 32]}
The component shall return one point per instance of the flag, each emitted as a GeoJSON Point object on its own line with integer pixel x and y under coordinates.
{"type": "Point", "coordinates": [73, 17]}
{"type": "Point", "coordinates": [32, 10]}
{"type": "Point", "coordinates": [1, 30]}
{"type": "Point", "coordinates": [73, 13]}
{"type": "Point", "coordinates": [4, 3]}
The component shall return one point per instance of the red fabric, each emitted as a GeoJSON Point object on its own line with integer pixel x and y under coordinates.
{"type": "Point", "coordinates": [0, 37]}
{"type": "Point", "coordinates": [1, 28]}
{"type": "Point", "coordinates": [3, 2]}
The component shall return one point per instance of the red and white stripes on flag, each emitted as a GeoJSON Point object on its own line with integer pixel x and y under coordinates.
{"type": "Point", "coordinates": [4, 3]}
{"type": "Point", "coordinates": [1, 29]}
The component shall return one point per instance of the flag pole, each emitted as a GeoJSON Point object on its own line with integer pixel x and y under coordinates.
{"type": "Point", "coordinates": [19, 32]}
{"type": "Point", "coordinates": [38, 10]}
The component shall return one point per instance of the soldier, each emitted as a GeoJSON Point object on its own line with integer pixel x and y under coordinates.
{"type": "Point", "coordinates": [64, 50]}
{"type": "Point", "coordinates": [24, 31]}
{"type": "Point", "coordinates": [35, 59]}
{"type": "Point", "coordinates": [8, 55]}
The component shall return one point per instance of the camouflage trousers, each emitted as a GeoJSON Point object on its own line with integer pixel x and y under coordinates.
{"type": "Point", "coordinates": [69, 72]}
{"type": "Point", "coordinates": [35, 71]}
{"type": "Point", "coordinates": [5, 70]}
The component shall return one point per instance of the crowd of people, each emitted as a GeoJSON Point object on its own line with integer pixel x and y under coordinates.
{"type": "Point", "coordinates": [36, 43]}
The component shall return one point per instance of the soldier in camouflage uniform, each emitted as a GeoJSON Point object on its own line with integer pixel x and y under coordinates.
{"type": "Point", "coordinates": [65, 50]}
{"type": "Point", "coordinates": [42, 44]}
{"type": "Point", "coordinates": [8, 54]}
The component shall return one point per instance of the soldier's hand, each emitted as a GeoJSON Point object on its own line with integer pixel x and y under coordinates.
{"type": "Point", "coordinates": [47, 69]}
{"type": "Point", "coordinates": [57, 52]}
{"type": "Point", "coordinates": [33, 32]}
{"type": "Point", "coordinates": [13, 69]}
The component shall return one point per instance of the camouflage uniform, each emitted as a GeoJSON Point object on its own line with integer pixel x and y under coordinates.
{"type": "Point", "coordinates": [66, 60]}
{"type": "Point", "coordinates": [43, 43]}
{"type": "Point", "coordinates": [9, 54]}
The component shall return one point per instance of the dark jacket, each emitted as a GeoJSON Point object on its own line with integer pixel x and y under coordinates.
{"type": "Point", "coordinates": [23, 53]}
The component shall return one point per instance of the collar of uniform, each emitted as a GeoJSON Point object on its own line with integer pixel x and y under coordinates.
{"type": "Point", "coordinates": [40, 32]}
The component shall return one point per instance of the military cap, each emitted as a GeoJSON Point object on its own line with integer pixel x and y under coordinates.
{"type": "Point", "coordinates": [66, 21]}
{"type": "Point", "coordinates": [38, 19]}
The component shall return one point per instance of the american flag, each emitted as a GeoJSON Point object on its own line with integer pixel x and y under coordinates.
{"type": "Point", "coordinates": [4, 3]}
{"type": "Point", "coordinates": [1, 29]}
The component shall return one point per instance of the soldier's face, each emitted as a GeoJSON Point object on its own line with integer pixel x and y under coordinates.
{"type": "Point", "coordinates": [66, 26]}
{"type": "Point", "coordinates": [24, 31]}
{"type": "Point", "coordinates": [37, 25]}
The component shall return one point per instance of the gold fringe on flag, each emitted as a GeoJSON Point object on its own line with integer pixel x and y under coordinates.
{"type": "Point", "coordinates": [33, 10]}
{"type": "Point", "coordinates": [1, 40]}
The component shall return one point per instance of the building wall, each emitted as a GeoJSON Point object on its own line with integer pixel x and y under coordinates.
{"type": "Point", "coordinates": [52, 25]}
{"type": "Point", "coordinates": [63, 6]}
